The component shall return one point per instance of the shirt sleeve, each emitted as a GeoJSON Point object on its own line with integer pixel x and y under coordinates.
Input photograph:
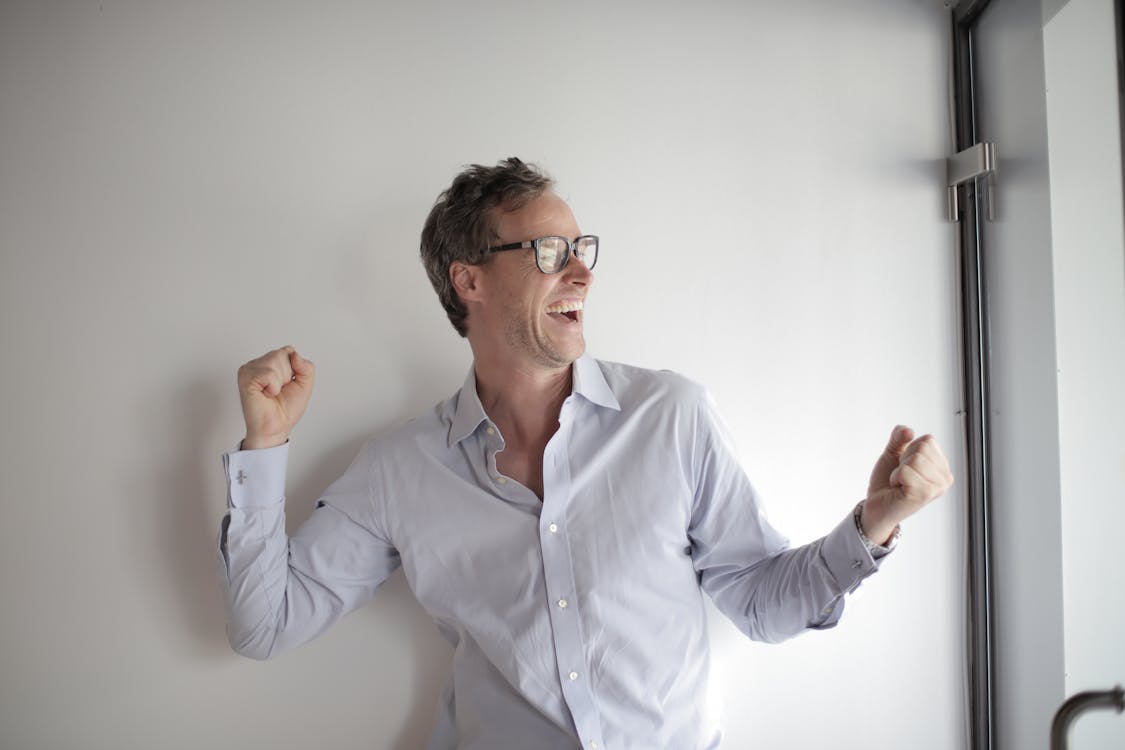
{"type": "Point", "coordinates": [282, 591]}
{"type": "Point", "coordinates": [770, 590]}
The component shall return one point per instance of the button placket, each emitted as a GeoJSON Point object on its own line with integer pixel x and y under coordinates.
{"type": "Point", "coordinates": [558, 571]}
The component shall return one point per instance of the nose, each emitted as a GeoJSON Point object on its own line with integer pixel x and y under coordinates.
{"type": "Point", "coordinates": [577, 273]}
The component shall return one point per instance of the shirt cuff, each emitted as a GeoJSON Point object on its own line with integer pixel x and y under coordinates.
{"type": "Point", "coordinates": [256, 478]}
{"type": "Point", "coordinates": [846, 555]}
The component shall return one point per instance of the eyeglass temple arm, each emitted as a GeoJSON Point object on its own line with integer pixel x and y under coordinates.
{"type": "Point", "coordinates": [510, 246]}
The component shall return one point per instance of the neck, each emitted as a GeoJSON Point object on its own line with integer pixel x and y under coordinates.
{"type": "Point", "coordinates": [524, 400]}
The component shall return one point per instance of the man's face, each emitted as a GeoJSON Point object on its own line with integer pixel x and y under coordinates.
{"type": "Point", "coordinates": [535, 318]}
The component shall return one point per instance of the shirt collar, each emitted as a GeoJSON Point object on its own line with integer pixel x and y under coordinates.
{"type": "Point", "coordinates": [469, 412]}
{"type": "Point", "coordinates": [588, 382]}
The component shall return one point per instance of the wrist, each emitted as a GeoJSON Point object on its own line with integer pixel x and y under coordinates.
{"type": "Point", "coordinates": [259, 442]}
{"type": "Point", "coordinates": [878, 528]}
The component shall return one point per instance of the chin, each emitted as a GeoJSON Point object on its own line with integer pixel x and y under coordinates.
{"type": "Point", "coordinates": [572, 350]}
{"type": "Point", "coordinates": [562, 356]}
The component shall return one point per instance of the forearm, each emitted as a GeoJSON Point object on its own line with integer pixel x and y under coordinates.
{"type": "Point", "coordinates": [253, 553]}
{"type": "Point", "coordinates": [253, 550]}
{"type": "Point", "coordinates": [796, 589]}
{"type": "Point", "coordinates": [281, 591]}
{"type": "Point", "coordinates": [273, 599]}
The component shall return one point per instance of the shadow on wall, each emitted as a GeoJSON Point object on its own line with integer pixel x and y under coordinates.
{"type": "Point", "coordinates": [186, 522]}
{"type": "Point", "coordinates": [179, 564]}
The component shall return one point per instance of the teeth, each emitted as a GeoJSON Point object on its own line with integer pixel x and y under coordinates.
{"type": "Point", "coordinates": [563, 307]}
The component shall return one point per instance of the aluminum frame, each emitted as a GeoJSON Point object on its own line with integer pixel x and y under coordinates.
{"type": "Point", "coordinates": [971, 198]}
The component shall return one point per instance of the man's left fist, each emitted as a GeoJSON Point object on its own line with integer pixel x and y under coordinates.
{"type": "Point", "coordinates": [910, 473]}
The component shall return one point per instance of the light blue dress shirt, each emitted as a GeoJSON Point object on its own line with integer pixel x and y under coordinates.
{"type": "Point", "coordinates": [577, 621]}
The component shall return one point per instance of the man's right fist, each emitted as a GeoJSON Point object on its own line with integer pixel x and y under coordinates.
{"type": "Point", "coordinates": [274, 389]}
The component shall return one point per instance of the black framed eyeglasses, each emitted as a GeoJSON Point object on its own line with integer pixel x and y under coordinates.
{"type": "Point", "coordinates": [553, 253]}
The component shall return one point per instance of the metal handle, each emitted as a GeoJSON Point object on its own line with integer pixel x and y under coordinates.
{"type": "Point", "coordinates": [1078, 704]}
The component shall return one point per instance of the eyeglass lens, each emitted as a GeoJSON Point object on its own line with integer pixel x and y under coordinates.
{"type": "Point", "coordinates": [553, 252]}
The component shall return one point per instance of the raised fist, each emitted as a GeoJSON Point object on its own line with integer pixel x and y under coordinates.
{"type": "Point", "coordinates": [274, 389]}
{"type": "Point", "coordinates": [908, 475]}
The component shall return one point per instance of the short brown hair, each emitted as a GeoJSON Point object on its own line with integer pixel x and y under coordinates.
{"type": "Point", "coordinates": [460, 225]}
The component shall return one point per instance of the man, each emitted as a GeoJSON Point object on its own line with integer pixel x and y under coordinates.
{"type": "Point", "coordinates": [558, 517]}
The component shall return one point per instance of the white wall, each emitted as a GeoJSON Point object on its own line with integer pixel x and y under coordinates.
{"type": "Point", "coordinates": [187, 185]}
{"type": "Point", "coordinates": [1089, 268]}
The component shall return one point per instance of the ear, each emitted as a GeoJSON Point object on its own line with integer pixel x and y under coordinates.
{"type": "Point", "coordinates": [466, 280]}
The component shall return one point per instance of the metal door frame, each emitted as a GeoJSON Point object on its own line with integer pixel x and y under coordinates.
{"type": "Point", "coordinates": [980, 652]}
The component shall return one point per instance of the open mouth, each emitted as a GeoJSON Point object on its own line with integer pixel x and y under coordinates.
{"type": "Point", "coordinates": [566, 312]}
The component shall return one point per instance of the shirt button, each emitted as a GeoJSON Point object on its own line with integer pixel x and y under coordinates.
{"type": "Point", "coordinates": [501, 480]}
{"type": "Point", "coordinates": [594, 744]}
{"type": "Point", "coordinates": [857, 564]}
{"type": "Point", "coordinates": [563, 603]}
{"type": "Point", "coordinates": [573, 676]}
{"type": "Point", "coordinates": [490, 431]}
{"type": "Point", "coordinates": [553, 528]}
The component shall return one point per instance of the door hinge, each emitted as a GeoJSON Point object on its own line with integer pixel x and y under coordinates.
{"type": "Point", "coordinates": [972, 163]}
